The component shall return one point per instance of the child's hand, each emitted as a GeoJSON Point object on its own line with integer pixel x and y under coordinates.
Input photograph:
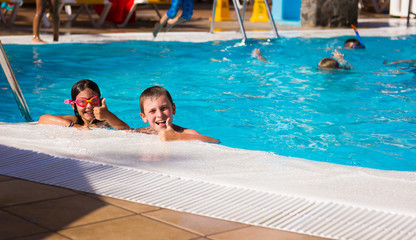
{"type": "Point", "coordinates": [337, 55]}
{"type": "Point", "coordinates": [169, 134]}
{"type": "Point", "coordinates": [257, 54]}
{"type": "Point", "coordinates": [101, 113]}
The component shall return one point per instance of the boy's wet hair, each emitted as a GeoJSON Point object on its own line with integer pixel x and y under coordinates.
{"type": "Point", "coordinates": [154, 92]}
{"type": "Point", "coordinates": [79, 87]}
{"type": "Point", "coordinates": [329, 63]}
{"type": "Point", "coordinates": [352, 42]}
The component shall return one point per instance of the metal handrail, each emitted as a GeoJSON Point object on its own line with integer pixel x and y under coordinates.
{"type": "Point", "coordinates": [241, 18]}
{"type": "Point", "coordinates": [14, 85]}
{"type": "Point", "coordinates": [409, 12]}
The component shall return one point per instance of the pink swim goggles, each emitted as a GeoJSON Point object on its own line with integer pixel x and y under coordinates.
{"type": "Point", "coordinates": [82, 102]}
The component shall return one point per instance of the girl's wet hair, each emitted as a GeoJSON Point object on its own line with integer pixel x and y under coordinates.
{"type": "Point", "coordinates": [79, 87]}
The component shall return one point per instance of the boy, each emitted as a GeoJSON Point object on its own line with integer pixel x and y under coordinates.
{"type": "Point", "coordinates": [157, 108]}
{"type": "Point", "coordinates": [337, 62]}
{"type": "Point", "coordinates": [353, 43]}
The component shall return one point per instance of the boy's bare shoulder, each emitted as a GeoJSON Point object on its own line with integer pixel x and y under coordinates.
{"type": "Point", "coordinates": [184, 130]}
{"type": "Point", "coordinates": [147, 130]}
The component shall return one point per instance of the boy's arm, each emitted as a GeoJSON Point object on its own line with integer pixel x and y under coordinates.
{"type": "Point", "coordinates": [103, 114]}
{"type": "Point", "coordinates": [171, 135]}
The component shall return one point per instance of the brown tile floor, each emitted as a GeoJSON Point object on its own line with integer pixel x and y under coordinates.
{"type": "Point", "coordinates": [31, 210]}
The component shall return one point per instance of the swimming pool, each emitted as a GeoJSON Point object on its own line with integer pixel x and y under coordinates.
{"type": "Point", "coordinates": [362, 117]}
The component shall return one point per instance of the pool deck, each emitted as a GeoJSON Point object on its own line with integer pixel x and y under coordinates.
{"type": "Point", "coordinates": [39, 211]}
{"type": "Point", "coordinates": [30, 210]}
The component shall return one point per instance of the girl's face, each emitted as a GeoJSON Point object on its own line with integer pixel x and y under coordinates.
{"type": "Point", "coordinates": [86, 112]}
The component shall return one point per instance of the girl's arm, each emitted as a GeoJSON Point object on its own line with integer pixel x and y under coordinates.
{"type": "Point", "coordinates": [66, 120]}
{"type": "Point", "coordinates": [103, 114]}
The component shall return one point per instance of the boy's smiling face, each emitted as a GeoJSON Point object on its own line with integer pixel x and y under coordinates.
{"type": "Point", "coordinates": [157, 111]}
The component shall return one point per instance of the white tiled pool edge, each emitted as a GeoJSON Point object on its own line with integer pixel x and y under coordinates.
{"type": "Point", "coordinates": [278, 211]}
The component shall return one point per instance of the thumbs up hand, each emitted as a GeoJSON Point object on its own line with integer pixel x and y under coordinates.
{"type": "Point", "coordinates": [169, 134]}
{"type": "Point", "coordinates": [101, 113]}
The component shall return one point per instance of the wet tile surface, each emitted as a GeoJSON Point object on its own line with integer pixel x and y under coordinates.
{"type": "Point", "coordinates": [66, 212]}
{"type": "Point", "coordinates": [195, 223]}
{"type": "Point", "coordinates": [13, 226]}
{"type": "Point", "coordinates": [134, 227]}
{"type": "Point", "coordinates": [39, 211]}
{"type": "Point", "coordinates": [260, 233]}
{"type": "Point", "coordinates": [131, 206]}
{"type": "Point", "coordinates": [28, 192]}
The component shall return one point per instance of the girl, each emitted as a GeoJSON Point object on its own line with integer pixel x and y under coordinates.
{"type": "Point", "coordinates": [90, 110]}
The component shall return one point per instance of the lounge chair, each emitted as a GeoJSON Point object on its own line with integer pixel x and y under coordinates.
{"type": "Point", "coordinates": [153, 3]}
{"type": "Point", "coordinates": [16, 5]}
{"type": "Point", "coordinates": [86, 4]}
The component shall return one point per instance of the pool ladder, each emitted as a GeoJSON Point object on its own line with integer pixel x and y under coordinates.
{"type": "Point", "coordinates": [14, 85]}
{"type": "Point", "coordinates": [409, 12]}
{"type": "Point", "coordinates": [241, 19]}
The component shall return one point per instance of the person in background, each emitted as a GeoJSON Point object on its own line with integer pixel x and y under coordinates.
{"type": "Point", "coordinates": [171, 18]}
{"type": "Point", "coordinates": [353, 43]}
{"type": "Point", "coordinates": [336, 62]}
{"type": "Point", "coordinates": [257, 54]}
{"type": "Point", "coordinates": [41, 6]}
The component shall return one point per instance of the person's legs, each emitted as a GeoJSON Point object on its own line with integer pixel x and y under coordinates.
{"type": "Point", "coordinates": [36, 21]}
{"type": "Point", "coordinates": [159, 25]}
{"type": "Point", "coordinates": [187, 11]}
{"type": "Point", "coordinates": [174, 8]}
{"type": "Point", "coordinates": [171, 14]}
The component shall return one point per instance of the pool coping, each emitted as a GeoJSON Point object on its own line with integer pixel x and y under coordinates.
{"type": "Point", "coordinates": [290, 218]}
{"type": "Point", "coordinates": [395, 27]}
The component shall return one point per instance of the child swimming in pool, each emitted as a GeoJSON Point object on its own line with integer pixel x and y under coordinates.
{"type": "Point", "coordinates": [90, 110]}
{"type": "Point", "coordinates": [157, 109]}
{"type": "Point", "coordinates": [336, 62]}
{"type": "Point", "coordinates": [353, 43]}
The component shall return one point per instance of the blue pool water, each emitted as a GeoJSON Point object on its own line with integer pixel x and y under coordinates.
{"type": "Point", "coordinates": [361, 117]}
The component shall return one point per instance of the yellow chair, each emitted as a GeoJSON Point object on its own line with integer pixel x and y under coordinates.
{"type": "Point", "coordinates": [85, 4]}
{"type": "Point", "coordinates": [16, 6]}
{"type": "Point", "coordinates": [153, 3]}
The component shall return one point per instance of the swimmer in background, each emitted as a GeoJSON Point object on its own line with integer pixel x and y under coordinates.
{"type": "Point", "coordinates": [353, 43]}
{"type": "Point", "coordinates": [336, 62]}
{"type": "Point", "coordinates": [411, 62]}
{"type": "Point", "coordinates": [90, 110]}
{"type": "Point", "coordinates": [157, 109]}
{"type": "Point", "coordinates": [171, 18]}
{"type": "Point", "coordinates": [257, 54]}
{"type": "Point", "coordinates": [41, 6]}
